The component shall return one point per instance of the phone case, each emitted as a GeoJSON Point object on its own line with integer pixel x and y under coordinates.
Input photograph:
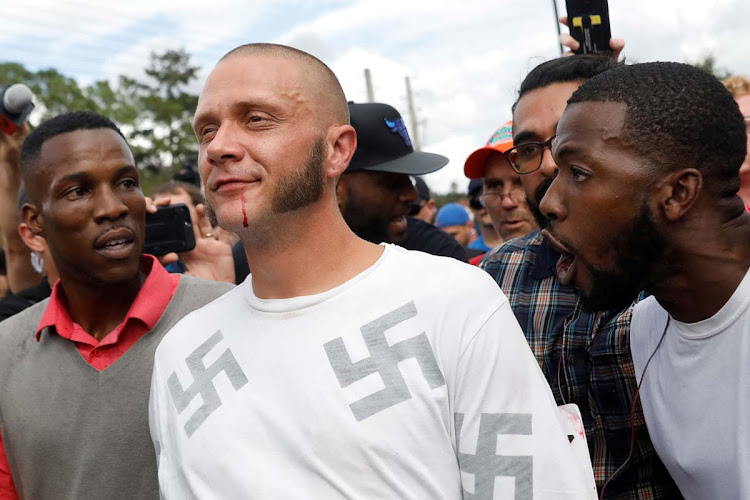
{"type": "Point", "coordinates": [588, 22]}
{"type": "Point", "coordinates": [169, 230]}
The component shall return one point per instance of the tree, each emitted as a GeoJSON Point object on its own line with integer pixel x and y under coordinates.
{"type": "Point", "coordinates": [54, 92]}
{"type": "Point", "coordinates": [155, 114]}
{"type": "Point", "coordinates": [162, 132]}
{"type": "Point", "coordinates": [708, 64]}
{"type": "Point", "coordinates": [451, 197]}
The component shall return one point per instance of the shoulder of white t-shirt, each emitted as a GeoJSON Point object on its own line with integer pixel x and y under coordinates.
{"type": "Point", "coordinates": [646, 326]}
{"type": "Point", "coordinates": [449, 275]}
{"type": "Point", "coordinates": [220, 305]}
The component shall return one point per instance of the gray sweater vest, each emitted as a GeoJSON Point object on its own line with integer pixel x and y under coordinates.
{"type": "Point", "coordinates": [70, 431]}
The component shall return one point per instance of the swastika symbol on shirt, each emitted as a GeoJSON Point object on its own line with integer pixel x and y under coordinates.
{"type": "Point", "coordinates": [203, 382]}
{"type": "Point", "coordinates": [485, 465]}
{"type": "Point", "coordinates": [384, 360]}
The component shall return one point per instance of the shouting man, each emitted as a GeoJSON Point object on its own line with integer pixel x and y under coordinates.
{"type": "Point", "coordinates": [647, 199]}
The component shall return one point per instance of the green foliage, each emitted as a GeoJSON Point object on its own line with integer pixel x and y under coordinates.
{"type": "Point", "coordinates": [165, 121]}
{"type": "Point", "coordinates": [708, 64]}
{"type": "Point", "coordinates": [155, 114]}
{"type": "Point", "coordinates": [451, 197]}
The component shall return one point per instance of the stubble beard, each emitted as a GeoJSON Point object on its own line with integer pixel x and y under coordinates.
{"type": "Point", "coordinates": [298, 189]}
{"type": "Point", "coordinates": [641, 254]}
{"type": "Point", "coordinates": [542, 222]}
{"type": "Point", "coordinates": [372, 227]}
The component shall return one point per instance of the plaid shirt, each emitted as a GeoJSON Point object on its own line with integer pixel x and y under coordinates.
{"type": "Point", "coordinates": [586, 360]}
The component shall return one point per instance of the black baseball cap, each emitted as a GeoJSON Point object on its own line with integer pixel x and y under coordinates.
{"type": "Point", "coordinates": [383, 143]}
{"type": "Point", "coordinates": [422, 189]}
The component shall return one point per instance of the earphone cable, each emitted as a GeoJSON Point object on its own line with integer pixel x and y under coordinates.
{"type": "Point", "coordinates": [632, 410]}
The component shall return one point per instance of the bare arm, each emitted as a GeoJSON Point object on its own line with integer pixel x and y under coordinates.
{"type": "Point", "coordinates": [20, 272]}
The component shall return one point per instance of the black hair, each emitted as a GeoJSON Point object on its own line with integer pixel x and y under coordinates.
{"type": "Point", "coordinates": [565, 69]}
{"type": "Point", "coordinates": [676, 116]}
{"type": "Point", "coordinates": [61, 124]}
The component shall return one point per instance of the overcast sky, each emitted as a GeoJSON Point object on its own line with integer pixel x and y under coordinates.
{"type": "Point", "coordinates": [465, 58]}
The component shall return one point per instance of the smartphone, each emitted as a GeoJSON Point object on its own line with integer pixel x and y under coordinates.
{"type": "Point", "coordinates": [588, 22]}
{"type": "Point", "coordinates": [169, 230]}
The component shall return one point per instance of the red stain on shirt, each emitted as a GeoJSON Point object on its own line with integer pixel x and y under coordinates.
{"type": "Point", "coordinates": [244, 212]}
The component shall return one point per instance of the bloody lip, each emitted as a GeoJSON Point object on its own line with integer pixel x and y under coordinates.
{"type": "Point", "coordinates": [565, 269]}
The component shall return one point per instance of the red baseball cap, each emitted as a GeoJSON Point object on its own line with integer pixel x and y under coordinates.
{"type": "Point", "coordinates": [500, 142]}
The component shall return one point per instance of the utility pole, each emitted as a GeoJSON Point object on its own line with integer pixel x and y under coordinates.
{"type": "Point", "coordinates": [413, 114]}
{"type": "Point", "coordinates": [368, 84]}
{"type": "Point", "coordinates": [557, 25]}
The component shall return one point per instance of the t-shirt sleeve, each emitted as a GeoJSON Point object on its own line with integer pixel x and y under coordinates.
{"type": "Point", "coordinates": [508, 436]}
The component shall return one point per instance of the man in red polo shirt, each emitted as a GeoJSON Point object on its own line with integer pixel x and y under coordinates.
{"type": "Point", "coordinates": [76, 368]}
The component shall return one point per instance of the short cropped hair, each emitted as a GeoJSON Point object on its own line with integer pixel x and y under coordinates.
{"type": "Point", "coordinates": [332, 86]}
{"type": "Point", "coordinates": [61, 124]}
{"type": "Point", "coordinates": [676, 116]}
{"type": "Point", "coordinates": [738, 85]}
{"type": "Point", "coordinates": [563, 70]}
{"type": "Point", "coordinates": [174, 187]}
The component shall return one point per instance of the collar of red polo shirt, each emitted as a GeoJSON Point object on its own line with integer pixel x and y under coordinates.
{"type": "Point", "coordinates": [148, 306]}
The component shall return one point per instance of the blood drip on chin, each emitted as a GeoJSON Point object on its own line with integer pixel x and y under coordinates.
{"type": "Point", "coordinates": [244, 212]}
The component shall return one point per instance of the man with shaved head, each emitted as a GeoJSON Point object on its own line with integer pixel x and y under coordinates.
{"type": "Point", "coordinates": [339, 368]}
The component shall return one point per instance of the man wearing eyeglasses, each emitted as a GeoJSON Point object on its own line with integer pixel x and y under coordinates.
{"type": "Point", "coordinates": [502, 193]}
{"type": "Point", "coordinates": [584, 356]}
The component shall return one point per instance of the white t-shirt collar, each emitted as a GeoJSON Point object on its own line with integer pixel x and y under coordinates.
{"type": "Point", "coordinates": [293, 304]}
{"type": "Point", "coordinates": [720, 321]}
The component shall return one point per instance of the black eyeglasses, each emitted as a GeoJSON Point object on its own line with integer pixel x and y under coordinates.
{"type": "Point", "coordinates": [526, 158]}
{"type": "Point", "coordinates": [494, 196]}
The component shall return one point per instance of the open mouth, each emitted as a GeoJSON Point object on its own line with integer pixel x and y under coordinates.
{"type": "Point", "coordinates": [116, 244]}
{"type": "Point", "coordinates": [398, 224]}
{"type": "Point", "coordinates": [566, 264]}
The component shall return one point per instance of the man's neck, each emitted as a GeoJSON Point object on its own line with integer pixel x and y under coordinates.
{"type": "Point", "coordinates": [744, 192]}
{"type": "Point", "coordinates": [491, 237]}
{"type": "Point", "coordinates": [314, 253]}
{"type": "Point", "coordinates": [704, 278]}
{"type": "Point", "coordinates": [99, 309]}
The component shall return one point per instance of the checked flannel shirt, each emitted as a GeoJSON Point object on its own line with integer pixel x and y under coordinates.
{"type": "Point", "coordinates": [586, 360]}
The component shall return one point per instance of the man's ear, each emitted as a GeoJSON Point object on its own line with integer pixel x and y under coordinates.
{"type": "Point", "coordinates": [33, 219]}
{"type": "Point", "coordinates": [342, 141]}
{"type": "Point", "coordinates": [677, 192]}
{"type": "Point", "coordinates": [34, 242]}
{"type": "Point", "coordinates": [341, 193]}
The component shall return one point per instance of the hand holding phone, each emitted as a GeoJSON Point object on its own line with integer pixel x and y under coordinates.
{"type": "Point", "coordinates": [588, 22]}
{"type": "Point", "coordinates": [170, 229]}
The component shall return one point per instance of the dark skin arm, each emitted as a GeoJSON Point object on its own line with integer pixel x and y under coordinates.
{"type": "Point", "coordinates": [18, 256]}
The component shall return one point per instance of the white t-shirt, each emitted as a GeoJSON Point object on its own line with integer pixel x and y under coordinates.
{"type": "Point", "coordinates": [696, 395]}
{"type": "Point", "coordinates": [378, 388]}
